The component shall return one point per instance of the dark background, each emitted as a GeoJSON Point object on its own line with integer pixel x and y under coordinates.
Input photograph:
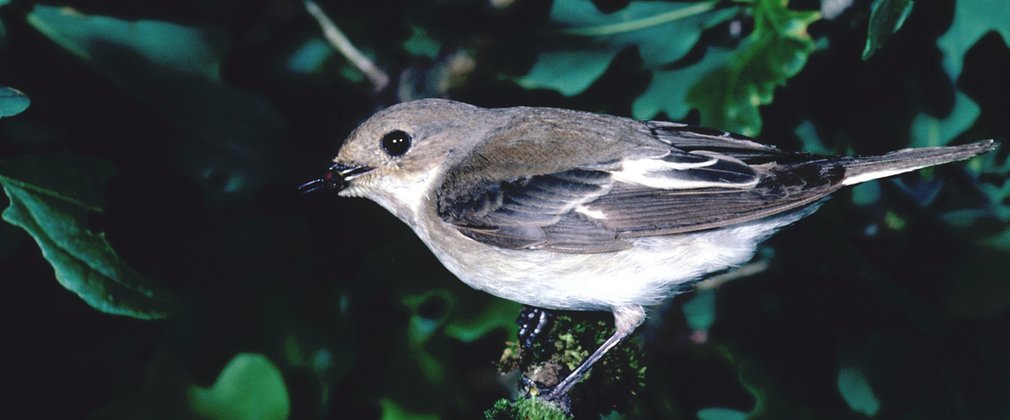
{"type": "Point", "coordinates": [361, 320]}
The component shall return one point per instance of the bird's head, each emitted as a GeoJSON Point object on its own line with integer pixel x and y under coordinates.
{"type": "Point", "coordinates": [393, 157]}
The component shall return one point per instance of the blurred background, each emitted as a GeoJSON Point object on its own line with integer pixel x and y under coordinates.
{"type": "Point", "coordinates": [157, 262]}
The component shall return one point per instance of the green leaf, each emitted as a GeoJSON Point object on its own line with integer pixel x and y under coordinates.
{"type": "Point", "coordinates": [420, 44]}
{"type": "Point", "coordinates": [885, 20]}
{"type": "Point", "coordinates": [174, 71]}
{"type": "Point", "coordinates": [423, 326]}
{"type": "Point", "coordinates": [856, 391]}
{"type": "Point", "coordinates": [310, 57]}
{"type": "Point", "coordinates": [51, 198]}
{"type": "Point", "coordinates": [700, 310]}
{"type": "Point", "coordinates": [1000, 241]}
{"type": "Point", "coordinates": [467, 327]}
{"type": "Point", "coordinates": [929, 131]}
{"type": "Point", "coordinates": [568, 72]}
{"type": "Point", "coordinates": [718, 413]}
{"type": "Point", "coordinates": [662, 31]}
{"type": "Point", "coordinates": [95, 38]}
{"type": "Point", "coordinates": [249, 387]}
{"type": "Point", "coordinates": [757, 383]}
{"type": "Point", "coordinates": [811, 141]}
{"type": "Point", "coordinates": [729, 97]}
{"type": "Point", "coordinates": [972, 20]}
{"type": "Point", "coordinates": [866, 193]}
{"type": "Point", "coordinates": [437, 312]}
{"type": "Point", "coordinates": [668, 90]}
{"type": "Point", "coordinates": [12, 102]}
{"type": "Point", "coordinates": [996, 192]}
{"type": "Point", "coordinates": [392, 411]}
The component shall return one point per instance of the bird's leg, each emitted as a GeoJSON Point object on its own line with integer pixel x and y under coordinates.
{"type": "Point", "coordinates": [532, 321]}
{"type": "Point", "coordinates": [626, 319]}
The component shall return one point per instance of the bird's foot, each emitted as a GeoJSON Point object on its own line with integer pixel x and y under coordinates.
{"type": "Point", "coordinates": [561, 399]}
{"type": "Point", "coordinates": [532, 321]}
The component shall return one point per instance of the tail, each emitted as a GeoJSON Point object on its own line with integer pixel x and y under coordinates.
{"type": "Point", "coordinates": [862, 169]}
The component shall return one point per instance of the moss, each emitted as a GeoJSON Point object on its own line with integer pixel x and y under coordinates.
{"type": "Point", "coordinates": [609, 386]}
{"type": "Point", "coordinates": [524, 409]}
{"type": "Point", "coordinates": [510, 357]}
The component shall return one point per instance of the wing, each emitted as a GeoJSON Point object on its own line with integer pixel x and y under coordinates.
{"type": "Point", "coordinates": [633, 211]}
{"type": "Point", "coordinates": [689, 138]}
{"type": "Point", "coordinates": [539, 211]}
{"type": "Point", "coordinates": [665, 179]}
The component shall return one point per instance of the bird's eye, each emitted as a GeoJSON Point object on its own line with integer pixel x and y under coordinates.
{"type": "Point", "coordinates": [396, 143]}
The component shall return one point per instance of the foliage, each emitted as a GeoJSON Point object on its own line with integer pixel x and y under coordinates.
{"type": "Point", "coordinates": [972, 20]}
{"type": "Point", "coordinates": [152, 174]}
{"type": "Point", "coordinates": [51, 198]}
{"type": "Point", "coordinates": [886, 19]}
{"type": "Point", "coordinates": [662, 32]}
{"type": "Point", "coordinates": [700, 310]}
{"type": "Point", "coordinates": [776, 50]}
{"type": "Point", "coordinates": [12, 102]}
{"type": "Point", "coordinates": [249, 387]}
{"type": "Point", "coordinates": [725, 86]}
{"type": "Point", "coordinates": [524, 408]}
{"type": "Point", "coordinates": [720, 414]}
{"type": "Point", "coordinates": [928, 131]}
{"type": "Point", "coordinates": [856, 391]}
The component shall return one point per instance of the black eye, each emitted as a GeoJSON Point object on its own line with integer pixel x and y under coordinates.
{"type": "Point", "coordinates": [396, 143]}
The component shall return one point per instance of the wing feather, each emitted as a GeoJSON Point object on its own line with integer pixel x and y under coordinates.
{"type": "Point", "coordinates": [664, 179]}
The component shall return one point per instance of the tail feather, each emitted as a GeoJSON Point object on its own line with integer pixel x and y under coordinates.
{"type": "Point", "coordinates": [862, 169]}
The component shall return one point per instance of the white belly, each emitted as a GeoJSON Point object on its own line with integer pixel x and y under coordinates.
{"type": "Point", "coordinates": [643, 275]}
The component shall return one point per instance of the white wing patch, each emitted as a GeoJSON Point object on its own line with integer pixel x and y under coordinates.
{"type": "Point", "coordinates": [667, 175]}
{"type": "Point", "coordinates": [592, 214]}
{"type": "Point", "coordinates": [869, 176]}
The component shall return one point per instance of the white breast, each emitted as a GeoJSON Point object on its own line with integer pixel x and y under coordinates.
{"type": "Point", "coordinates": [643, 275]}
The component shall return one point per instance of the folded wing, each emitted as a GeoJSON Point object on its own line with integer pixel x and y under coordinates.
{"type": "Point", "coordinates": [681, 179]}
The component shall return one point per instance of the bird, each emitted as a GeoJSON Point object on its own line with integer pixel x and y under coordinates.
{"type": "Point", "coordinates": [571, 210]}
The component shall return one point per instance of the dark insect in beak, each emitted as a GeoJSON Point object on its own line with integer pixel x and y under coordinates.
{"type": "Point", "coordinates": [335, 178]}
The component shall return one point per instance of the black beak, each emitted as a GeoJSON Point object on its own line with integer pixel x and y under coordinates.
{"type": "Point", "coordinates": [335, 178]}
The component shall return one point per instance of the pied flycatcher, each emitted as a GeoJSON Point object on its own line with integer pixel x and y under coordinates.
{"type": "Point", "coordinates": [572, 210]}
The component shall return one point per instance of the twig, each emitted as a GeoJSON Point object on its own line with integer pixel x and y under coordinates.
{"type": "Point", "coordinates": [339, 41]}
{"type": "Point", "coordinates": [647, 22]}
{"type": "Point", "coordinates": [748, 270]}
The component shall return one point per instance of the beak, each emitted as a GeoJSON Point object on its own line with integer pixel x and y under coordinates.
{"type": "Point", "coordinates": [336, 178]}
